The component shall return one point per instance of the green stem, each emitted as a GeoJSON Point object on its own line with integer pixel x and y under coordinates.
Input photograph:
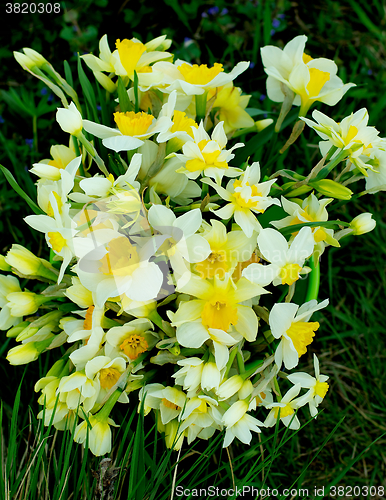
{"type": "Point", "coordinates": [327, 169]}
{"type": "Point", "coordinates": [201, 107]}
{"type": "Point", "coordinates": [232, 356]}
{"type": "Point", "coordinates": [35, 131]}
{"type": "Point", "coordinates": [314, 281]}
{"type": "Point", "coordinates": [240, 362]}
{"type": "Point", "coordinates": [77, 152]}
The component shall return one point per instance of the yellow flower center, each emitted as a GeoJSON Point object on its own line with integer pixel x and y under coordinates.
{"type": "Point", "coordinates": [109, 377]}
{"type": "Point", "coordinates": [319, 234]}
{"type": "Point", "coordinates": [134, 346]}
{"type": "Point", "coordinates": [352, 132]}
{"type": "Point", "coordinates": [215, 264]}
{"type": "Point", "coordinates": [200, 75]}
{"type": "Point", "coordinates": [210, 159]}
{"type": "Point", "coordinates": [133, 124]}
{"type": "Point", "coordinates": [203, 408]}
{"type": "Point", "coordinates": [306, 58]}
{"type": "Point", "coordinates": [302, 333]}
{"type": "Point", "coordinates": [219, 314]}
{"type": "Point", "coordinates": [57, 241]}
{"type": "Point", "coordinates": [182, 123]}
{"type": "Point", "coordinates": [239, 195]}
{"type": "Point", "coordinates": [242, 265]}
{"type": "Point", "coordinates": [171, 405]}
{"type": "Point", "coordinates": [121, 259]}
{"type": "Point", "coordinates": [87, 323]}
{"type": "Point", "coordinates": [129, 54]}
{"type": "Point", "coordinates": [284, 411]}
{"type": "Point", "coordinates": [50, 210]}
{"type": "Point", "coordinates": [321, 389]}
{"type": "Point", "coordinates": [58, 163]}
{"type": "Point", "coordinates": [289, 274]}
{"type": "Point", "coordinates": [317, 80]}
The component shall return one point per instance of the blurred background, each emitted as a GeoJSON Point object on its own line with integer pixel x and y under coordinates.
{"type": "Point", "coordinates": [351, 340]}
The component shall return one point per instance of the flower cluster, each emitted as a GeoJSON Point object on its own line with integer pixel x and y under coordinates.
{"type": "Point", "coordinates": [165, 277]}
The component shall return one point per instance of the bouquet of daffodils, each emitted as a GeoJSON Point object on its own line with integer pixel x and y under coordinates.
{"type": "Point", "coordinates": [172, 260]}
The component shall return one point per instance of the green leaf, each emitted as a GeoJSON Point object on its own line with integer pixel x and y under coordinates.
{"type": "Point", "coordinates": [137, 469]}
{"type": "Point", "coordinates": [10, 178]}
{"type": "Point", "coordinates": [124, 101]}
{"type": "Point", "coordinates": [68, 74]}
{"type": "Point", "coordinates": [297, 227]}
{"type": "Point", "coordinates": [136, 99]}
{"type": "Point", "coordinates": [87, 90]}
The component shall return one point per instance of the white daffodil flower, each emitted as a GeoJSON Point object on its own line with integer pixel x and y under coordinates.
{"type": "Point", "coordinates": [317, 386]}
{"type": "Point", "coordinates": [189, 79]}
{"type": "Point", "coordinates": [99, 440]}
{"type": "Point", "coordinates": [70, 120]}
{"type": "Point", "coordinates": [200, 418]}
{"type": "Point", "coordinates": [226, 250]}
{"type": "Point", "coordinates": [312, 209]}
{"type": "Point", "coordinates": [133, 128]}
{"type": "Point", "coordinates": [246, 196]}
{"type": "Point", "coordinates": [287, 260]}
{"type": "Point", "coordinates": [107, 372]}
{"type": "Point", "coordinates": [59, 231]}
{"type": "Point", "coordinates": [217, 314]}
{"type": "Point", "coordinates": [207, 154]}
{"type": "Point", "coordinates": [310, 79]}
{"type": "Point", "coordinates": [290, 323]}
{"type": "Point", "coordinates": [8, 284]}
{"type": "Point", "coordinates": [50, 169]}
{"type": "Point", "coordinates": [169, 400]}
{"type": "Point", "coordinates": [131, 339]}
{"type": "Point", "coordinates": [130, 55]}
{"type": "Point", "coordinates": [92, 334]}
{"type": "Point", "coordinates": [189, 376]}
{"type": "Point", "coordinates": [376, 175]}
{"type": "Point", "coordinates": [102, 187]}
{"type": "Point", "coordinates": [78, 388]}
{"type": "Point", "coordinates": [287, 407]}
{"type": "Point", "coordinates": [351, 135]}
{"type": "Point", "coordinates": [181, 244]}
{"type": "Point", "coordinates": [239, 423]}
{"type": "Point", "coordinates": [112, 265]}
{"type": "Point", "coordinates": [60, 189]}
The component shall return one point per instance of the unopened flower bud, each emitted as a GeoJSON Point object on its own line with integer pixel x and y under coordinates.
{"type": "Point", "coordinates": [70, 120]}
{"type": "Point", "coordinates": [363, 223]}
{"type": "Point", "coordinates": [328, 187]}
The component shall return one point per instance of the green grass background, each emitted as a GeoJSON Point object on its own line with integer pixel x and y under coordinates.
{"type": "Point", "coordinates": [42, 463]}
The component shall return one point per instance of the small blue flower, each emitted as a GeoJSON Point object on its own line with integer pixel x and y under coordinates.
{"type": "Point", "coordinates": [213, 11]}
{"type": "Point", "coordinates": [276, 23]}
{"type": "Point", "coordinates": [44, 91]}
{"type": "Point", "coordinates": [29, 142]}
{"type": "Point", "coordinates": [204, 14]}
{"type": "Point", "coordinates": [272, 32]}
{"type": "Point", "coordinates": [224, 12]}
{"type": "Point", "coordinates": [251, 65]}
{"type": "Point", "coordinates": [1, 119]}
{"type": "Point", "coordinates": [370, 72]}
{"type": "Point", "coordinates": [262, 97]}
{"type": "Point", "coordinates": [99, 107]}
{"type": "Point", "coordinates": [281, 16]}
